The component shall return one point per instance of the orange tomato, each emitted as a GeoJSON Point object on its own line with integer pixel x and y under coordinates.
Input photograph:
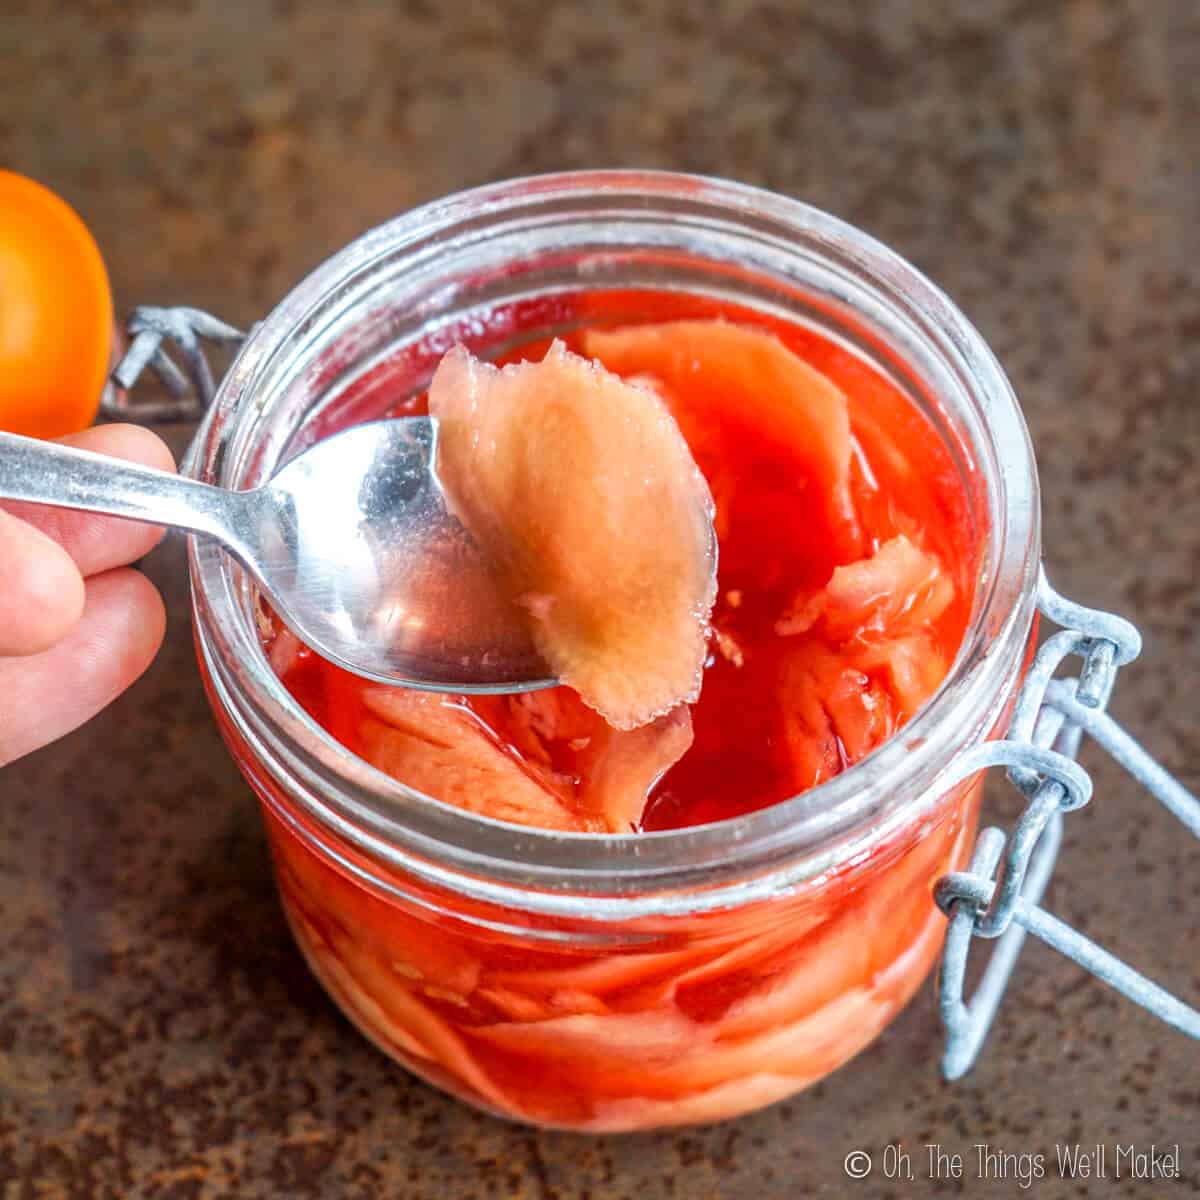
{"type": "Point", "coordinates": [56, 313]}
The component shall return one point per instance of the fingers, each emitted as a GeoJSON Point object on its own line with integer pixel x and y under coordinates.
{"type": "Point", "coordinates": [51, 693]}
{"type": "Point", "coordinates": [41, 592]}
{"type": "Point", "coordinates": [100, 543]}
{"type": "Point", "coordinates": [44, 552]}
{"type": "Point", "coordinates": [68, 647]}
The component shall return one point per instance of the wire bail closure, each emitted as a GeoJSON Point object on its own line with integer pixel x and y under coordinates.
{"type": "Point", "coordinates": [191, 387]}
{"type": "Point", "coordinates": [1049, 719]}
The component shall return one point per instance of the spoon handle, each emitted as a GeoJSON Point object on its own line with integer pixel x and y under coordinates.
{"type": "Point", "coordinates": [64, 477]}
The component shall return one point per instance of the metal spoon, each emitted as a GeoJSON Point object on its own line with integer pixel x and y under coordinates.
{"type": "Point", "coordinates": [351, 542]}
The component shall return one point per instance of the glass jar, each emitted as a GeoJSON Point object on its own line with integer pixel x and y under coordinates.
{"type": "Point", "coordinates": [613, 982]}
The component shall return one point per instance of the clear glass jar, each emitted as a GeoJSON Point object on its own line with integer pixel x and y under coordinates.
{"type": "Point", "coordinates": [613, 982]}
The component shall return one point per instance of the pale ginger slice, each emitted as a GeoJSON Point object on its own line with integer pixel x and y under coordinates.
{"type": "Point", "coordinates": [580, 490]}
{"type": "Point", "coordinates": [622, 767]}
{"type": "Point", "coordinates": [898, 589]}
{"type": "Point", "coordinates": [437, 746]}
{"type": "Point", "coordinates": [616, 768]}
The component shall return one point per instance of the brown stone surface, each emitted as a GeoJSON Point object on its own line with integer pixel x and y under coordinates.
{"type": "Point", "coordinates": [159, 1035]}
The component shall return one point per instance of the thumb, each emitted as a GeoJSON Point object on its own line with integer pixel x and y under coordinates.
{"type": "Point", "coordinates": [41, 590]}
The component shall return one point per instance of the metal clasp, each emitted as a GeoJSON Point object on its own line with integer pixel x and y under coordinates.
{"type": "Point", "coordinates": [192, 388]}
{"type": "Point", "coordinates": [1049, 719]}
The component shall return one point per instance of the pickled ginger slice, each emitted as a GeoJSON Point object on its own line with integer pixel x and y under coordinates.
{"type": "Point", "coordinates": [581, 491]}
{"type": "Point", "coordinates": [898, 589]}
{"type": "Point", "coordinates": [621, 767]}
{"type": "Point", "coordinates": [438, 746]}
{"type": "Point", "coordinates": [751, 383]}
{"type": "Point", "coordinates": [616, 768]}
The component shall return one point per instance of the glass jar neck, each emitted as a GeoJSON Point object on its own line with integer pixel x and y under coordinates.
{"type": "Point", "coordinates": [413, 286]}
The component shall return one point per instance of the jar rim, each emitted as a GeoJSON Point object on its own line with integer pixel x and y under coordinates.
{"type": "Point", "coordinates": [792, 840]}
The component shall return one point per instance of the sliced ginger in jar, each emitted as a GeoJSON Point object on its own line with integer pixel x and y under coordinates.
{"type": "Point", "coordinates": [581, 491]}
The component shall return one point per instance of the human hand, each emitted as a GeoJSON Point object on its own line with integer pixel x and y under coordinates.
{"type": "Point", "coordinates": [77, 625]}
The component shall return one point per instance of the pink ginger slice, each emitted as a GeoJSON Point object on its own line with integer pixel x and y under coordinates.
{"type": "Point", "coordinates": [751, 381]}
{"type": "Point", "coordinates": [441, 748]}
{"type": "Point", "coordinates": [581, 491]}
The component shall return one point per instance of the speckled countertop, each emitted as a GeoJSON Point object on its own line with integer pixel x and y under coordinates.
{"type": "Point", "coordinates": [159, 1035]}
